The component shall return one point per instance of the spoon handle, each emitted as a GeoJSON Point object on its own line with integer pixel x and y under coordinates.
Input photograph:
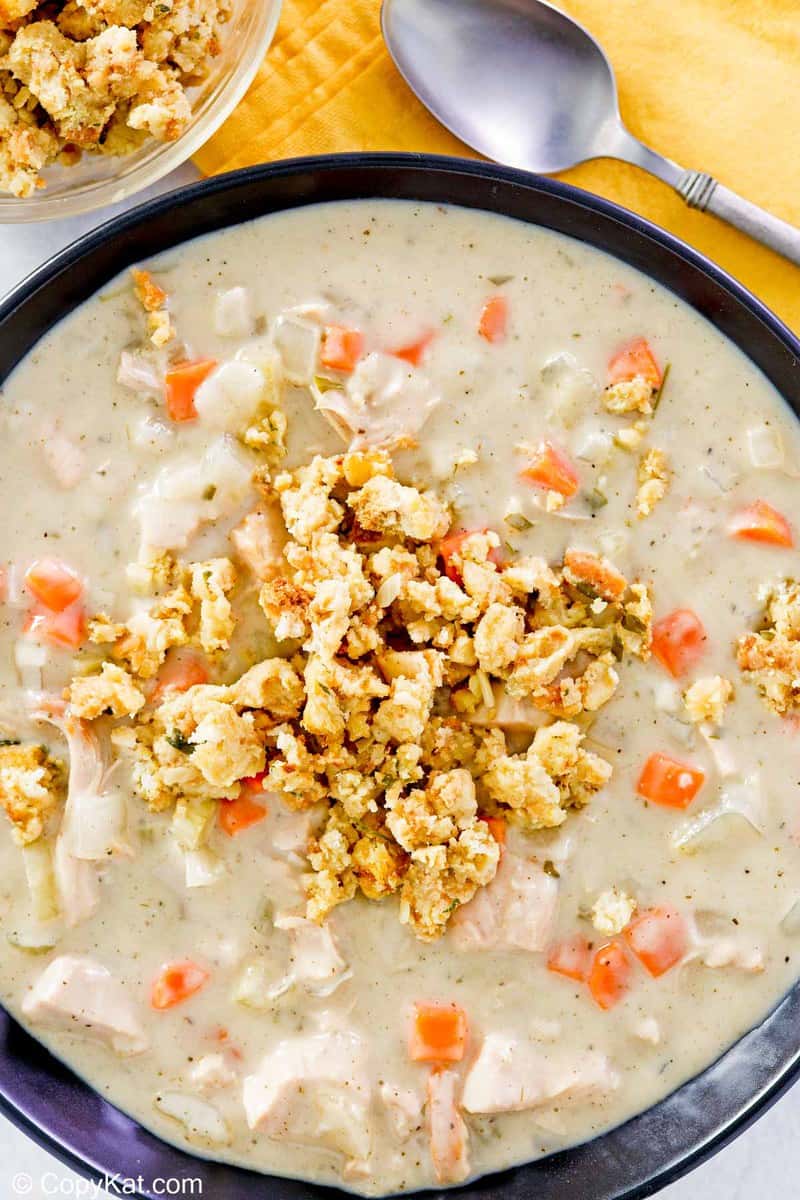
{"type": "Point", "coordinates": [702, 191]}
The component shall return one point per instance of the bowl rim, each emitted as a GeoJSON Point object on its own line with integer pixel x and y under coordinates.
{"type": "Point", "coordinates": [37, 1092]}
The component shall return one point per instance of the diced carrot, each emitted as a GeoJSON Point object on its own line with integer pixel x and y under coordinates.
{"type": "Point", "coordinates": [635, 359]}
{"type": "Point", "coordinates": [53, 583]}
{"type": "Point", "coordinates": [609, 975]}
{"type": "Point", "coordinates": [438, 1033]}
{"type": "Point", "coordinates": [552, 470]}
{"type": "Point", "coordinates": [150, 295]}
{"type": "Point", "coordinates": [679, 641]}
{"type": "Point", "coordinates": [597, 572]}
{"type": "Point", "coordinates": [493, 323]}
{"type": "Point", "coordinates": [760, 522]}
{"type": "Point", "coordinates": [65, 630]}
{"type": "Point", "coordinates": [497, 828]}
{"type": "Point", "coordinates": [180, 384]}
{"type": "Point", "coordinates": [658, 937]}
{"type": "Point", "coordinates": [448, 1133]}
{"type": "Point", "coordinates": [254, 783]}
{"type": "Point", "coordinates": [237, 815]}
{"type": "Point", "coordinates": [450, 547]}
{"type": "Point", "coordinates": [668, 782]}
{"type": "Point", "coordinates": [341, 348]}
{"type": "Point", "coordinates": [179, 673]}
{"type": "Point", "coordinates": [176, 982]}
{"type": "Point", "coordinates": [572, 958]}
{"type": "Point", "coordinates": [414, 352]}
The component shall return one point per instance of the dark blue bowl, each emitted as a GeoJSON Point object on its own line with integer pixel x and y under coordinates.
{"type": "Point", "coordinates": [41, 1095]}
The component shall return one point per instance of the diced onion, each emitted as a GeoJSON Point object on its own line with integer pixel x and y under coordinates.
{"type": "Point", "coordinates": [569, 389]}
{"type": "Point", "coordinates": [256, 986]}
{"type": "Point", "coordinates": [193, 821]}
{"type": "Point", "coordinates": [230, 396]}
{"type": "Point", "coordinates": [139, 373]}
{"type": "Point", "coordinates": [233, 316]}
{"type": "Point", "coordinates": [765, 447]}
{"type": "Point", "coordinates": [30, 658]}
{"type": "Point", "coordinates": [203, 867]}
{"type": "Point", "coordinates": [297, 341]}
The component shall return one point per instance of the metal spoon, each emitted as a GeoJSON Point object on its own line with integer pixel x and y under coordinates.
{"type": "Point", "coordinates": [527, 86]}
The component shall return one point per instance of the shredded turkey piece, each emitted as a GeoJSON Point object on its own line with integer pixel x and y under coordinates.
{"type": "Point", "coordinates": [391, 659]}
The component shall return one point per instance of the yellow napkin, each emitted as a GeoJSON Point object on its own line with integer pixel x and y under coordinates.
{"type": "Point", "coordinates": [711, 83]}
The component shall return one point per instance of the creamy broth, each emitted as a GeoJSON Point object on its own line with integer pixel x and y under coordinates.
{"type": "Point", "coordinates": [393, 270]}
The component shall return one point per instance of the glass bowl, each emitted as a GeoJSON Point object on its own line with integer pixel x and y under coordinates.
{"type": "Point", "coordinates": [99, 180]}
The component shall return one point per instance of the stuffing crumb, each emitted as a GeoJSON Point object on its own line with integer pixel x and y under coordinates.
{"type": "Point", "coordinates": [32, 785]}
{"type": "Point", "coordinates": [707, 699]}
{"type": "Point", "coordinates": [97, 77]}
{"type": "Point", "coordinates": [112, 693]}
{"type": "Point", "coordinates": [770, 656]}
{"type": "Point", "coordinates": [210, 584]}
{"type": "Point", "coordinates": [194, 611]}
{"type": "Point", "coordinates": [653, 476]}
{"type": "Point", "coordinates": [154, 301]}
{"type": "Point", "coordinates": [630, 395]}
{"type": "Point", "coordinates": [612, 911]}
{"type": "Point", "coordinates": [377, 713]}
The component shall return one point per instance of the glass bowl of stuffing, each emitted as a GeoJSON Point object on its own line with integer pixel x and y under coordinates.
{"type": "Point", "coordinates": [100, 98]}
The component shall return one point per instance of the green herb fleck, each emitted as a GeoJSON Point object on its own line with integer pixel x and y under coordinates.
{"type": "Point", "coordinates": [210, 492]}
{"type": "Point", "coordinates": [518, 521]}
{"type": "Point", "coordinates": [499, 280]}
{"type": "Point", "coordinates": [661, 386]}
{"type": "Point", "coordinates": [596, 499]}
{"type": "Point", "coordinates": [179, 742]}
{"type": "Point", "coordinates": [323, 384]}
{"type": "Point", "coordinates": [551, 869]}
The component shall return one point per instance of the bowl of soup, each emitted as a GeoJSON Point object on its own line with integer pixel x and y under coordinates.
{"type": "Point", "coordinates": [397, 691]}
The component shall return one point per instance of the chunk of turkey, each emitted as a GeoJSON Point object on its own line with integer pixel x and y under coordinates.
{"type": "Point", "coordinates": [385, 402]}
{"type": "Point", "coordinates": [314, 1090]}
{"type": "Point", "coordinates": [79, 995]}
{"type": "Point", "coordinates": [509, 1075]}
{"type": "Point", "coordinates": [516, 910]}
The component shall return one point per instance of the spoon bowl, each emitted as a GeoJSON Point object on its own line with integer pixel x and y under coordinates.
{"type": "Point", "coordinates": [551, 104]}
{"type": "Point", "coordinates": [522, 83]}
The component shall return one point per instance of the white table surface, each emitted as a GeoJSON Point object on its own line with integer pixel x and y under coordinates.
{"type": "Point", "coordinates": [763, 1164]}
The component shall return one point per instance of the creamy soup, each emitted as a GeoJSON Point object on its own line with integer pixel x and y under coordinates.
{"type": "Point", "coordinates": [398, 694]}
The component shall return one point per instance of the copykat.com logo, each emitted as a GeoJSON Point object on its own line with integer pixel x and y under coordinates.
{"type": "Point", "coordinates": [51, 1183]}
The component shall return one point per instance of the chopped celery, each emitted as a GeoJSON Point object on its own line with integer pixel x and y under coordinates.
{"type": "Point", "coordinates": [192, 822]}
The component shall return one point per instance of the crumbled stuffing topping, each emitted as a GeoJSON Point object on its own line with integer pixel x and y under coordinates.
{"type": "Point", "coordinates": [32, 785]}
{"type": "Point", "coordinates": [654, 478]}
{"type": "Point", "coordinates": [707, 699]}
{"type": "Point", "coordinates": [630, 395]}
{"type": "Point", "coordinates": [194, 611]}
{"type": "Point", "coordinates": [98, 76]}
{"type": "Point", "coordinates": [112, 693]}
{"type": "Point", "coordinates": [390, 659]}
{"type": "Point", "coordinates": [612, 911]}
{"type": "Point", "coordinates": [770, 657]}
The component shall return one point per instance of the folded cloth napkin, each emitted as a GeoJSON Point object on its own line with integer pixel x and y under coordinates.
{"type": "Point", "coordinates": [711, 83]}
